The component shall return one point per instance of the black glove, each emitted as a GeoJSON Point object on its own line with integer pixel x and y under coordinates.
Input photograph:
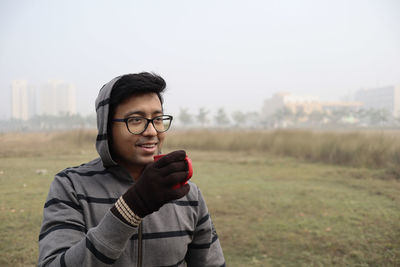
{"type": "Point", "coordinates": [154, 188]}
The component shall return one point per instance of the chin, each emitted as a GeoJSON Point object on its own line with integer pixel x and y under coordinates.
{"type": "Point", "coordinates": [144, 160]}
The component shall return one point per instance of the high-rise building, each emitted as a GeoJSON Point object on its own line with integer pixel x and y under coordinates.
{"type": "Point", "coordinates": [57, 98]}
{"type": "Point", "coordinates": [23, 100]}
{"type": "Point", "coordinates": [386, 98]}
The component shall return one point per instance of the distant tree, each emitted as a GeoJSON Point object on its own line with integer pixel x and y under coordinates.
{"type": "Point", "coordinates": [239, 118]}
{"type": "Point", "coordinates": [90, 121]}
{"type": "Point", "coordinates": [221, 118]}
{"type": "Point", "coordinates": [299, 114]}
{"type": "Point", "coordinates": [362, 116]}
{"type": "Point", "coordinates": [378, 116]}
{"type": "Point", "coordinates": [316, 117]}
{"type": "Point", "coordinates": [201, 117]}
{"type": "Point", "coordinates": [253, 119]}
{"type": "Point", "coordinates": [185, 117]}
{"type": "Point", "coordinates": [396, 120]}
{"type": "Point", "coordinates": [337, 115]}
{"type": "Point", "coordinates": [283, 117]}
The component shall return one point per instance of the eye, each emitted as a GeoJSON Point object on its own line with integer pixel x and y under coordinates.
{"type": "Point", "coordinates": [135, 120]}
{"type": "Point", "coordinates": [158, 120]}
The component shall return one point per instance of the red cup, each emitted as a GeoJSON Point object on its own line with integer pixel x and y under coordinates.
{"type": "Point", "coordinates": [190, 169]}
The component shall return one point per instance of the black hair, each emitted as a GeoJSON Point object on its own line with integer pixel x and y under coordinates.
{"type": "Point", "coordinates": [132, 84]}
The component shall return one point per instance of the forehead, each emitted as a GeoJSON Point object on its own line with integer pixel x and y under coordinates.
{"type": "Point", "coordinates": [144, 103]}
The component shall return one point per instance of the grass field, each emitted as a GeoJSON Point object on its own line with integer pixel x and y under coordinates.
{"type": "Point", "coordinates": [269, 209]}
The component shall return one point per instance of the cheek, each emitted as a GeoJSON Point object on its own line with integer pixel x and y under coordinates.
{"type": "Point", "coordinates": [161, 138]}
{"type": "Point", "coordinates": [121, 140]}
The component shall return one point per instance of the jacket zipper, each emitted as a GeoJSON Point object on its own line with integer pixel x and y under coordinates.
{"type": "Point", "coordinates": [139, 262]}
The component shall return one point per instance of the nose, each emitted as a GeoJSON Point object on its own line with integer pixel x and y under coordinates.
{"type": "Point", "coordinates": [150, 130]}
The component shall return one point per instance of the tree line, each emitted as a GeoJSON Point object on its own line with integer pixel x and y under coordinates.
{"type": "Point", "coordinates": [49, 122]}
{"type": "Point", "coordinates": [286, 118]}
{"type": "Point", "coordinates": [204, 118]}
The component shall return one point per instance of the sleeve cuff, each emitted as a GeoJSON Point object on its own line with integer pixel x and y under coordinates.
{"type": "Point", "coordinates": [111, 233]}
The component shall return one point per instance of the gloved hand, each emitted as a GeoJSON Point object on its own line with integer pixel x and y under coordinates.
{"type": "Point", "coordinates": [154, 188]}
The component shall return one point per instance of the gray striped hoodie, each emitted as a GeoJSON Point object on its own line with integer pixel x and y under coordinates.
{"type": "Point", "coordinates": [78, 228]}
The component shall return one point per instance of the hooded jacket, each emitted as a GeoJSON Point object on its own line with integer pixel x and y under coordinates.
{"type": "Point", "coordinates": [78, 228]}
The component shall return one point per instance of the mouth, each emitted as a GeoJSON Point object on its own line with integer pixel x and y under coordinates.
{"type": "Point", "coordinates": [148, 147]}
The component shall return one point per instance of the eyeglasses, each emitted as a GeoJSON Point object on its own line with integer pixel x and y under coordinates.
{"type": "Point", "coordinates": [137, 125]}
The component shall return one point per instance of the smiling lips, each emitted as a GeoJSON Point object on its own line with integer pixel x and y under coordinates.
{"type": "Point", "coordinates": [148, 147]}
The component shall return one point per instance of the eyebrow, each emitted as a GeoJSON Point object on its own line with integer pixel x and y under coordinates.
{"type": "Point", "coordinates": [141, 113]}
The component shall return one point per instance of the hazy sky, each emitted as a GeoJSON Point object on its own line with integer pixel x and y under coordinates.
{"type": "Point", "coordinates": [230, 54]}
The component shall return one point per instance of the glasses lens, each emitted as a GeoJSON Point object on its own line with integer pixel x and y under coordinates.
{"type": "Point", "coordinates": [136, 124]}
{"type": "Point", "coordinates": [162, 123]}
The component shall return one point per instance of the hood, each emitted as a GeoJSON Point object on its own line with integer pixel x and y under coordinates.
{"type": "Point", "coordinates": [102, 109]}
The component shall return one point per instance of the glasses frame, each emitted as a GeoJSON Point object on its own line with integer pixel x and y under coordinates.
{"type": "Point", "coordinates": [147, 123]}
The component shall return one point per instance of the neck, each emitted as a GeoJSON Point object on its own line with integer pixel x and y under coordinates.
{"type": "Point", "coordinates": [134, 171]}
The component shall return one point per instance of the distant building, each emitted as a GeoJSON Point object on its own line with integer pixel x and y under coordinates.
{"type": "Point", "coordinates": [57, 98]}
{"type": "Point", "coordinates": [305, 104]}
{"type": "Point", "coordinates": [23, 100]}
{"type": "Point", "coordinates": [340, 105]}
{"type": "Point", "coordinates": [292, 102]}
{"type": "Point", "coordinates": [387, 98]}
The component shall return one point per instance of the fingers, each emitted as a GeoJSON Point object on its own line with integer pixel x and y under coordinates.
{"type": "Point", "coordinates": [178, 155]}
{"type": "Point", "coordinates": [183, 190]}
{"type": "Point", "coordinates": [175, 178]}
{"type": "Point", "coordinates": [180, 166]}
{"type": "Point", "coordinates": [180, 192]}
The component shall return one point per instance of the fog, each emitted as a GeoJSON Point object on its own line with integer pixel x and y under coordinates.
{"type": "Point", "coordinates": [230, 54]}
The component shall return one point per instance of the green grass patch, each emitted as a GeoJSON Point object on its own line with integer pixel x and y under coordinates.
{"type": "Point", "coordinates": [24, 184]}
{"type": "Point", "coordinates": [280, 212]}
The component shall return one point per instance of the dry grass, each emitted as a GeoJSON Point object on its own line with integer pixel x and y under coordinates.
{"type": "Point", "coordinates": [370, 149]}
{"type": "Point", "coordinates": [46, 143]}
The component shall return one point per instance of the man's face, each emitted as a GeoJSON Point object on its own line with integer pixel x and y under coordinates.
{"type": "Point", "coordinates": [134, 151]}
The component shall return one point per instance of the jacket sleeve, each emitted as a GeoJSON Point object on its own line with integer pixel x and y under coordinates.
{"type": "Point", "coordinates": [205, 248]}
{"type": "Point", "coordinates": [64, 239]}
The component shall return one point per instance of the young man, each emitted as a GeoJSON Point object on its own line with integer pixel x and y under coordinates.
{"type": "Point", "coordinates": [124, 209]}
